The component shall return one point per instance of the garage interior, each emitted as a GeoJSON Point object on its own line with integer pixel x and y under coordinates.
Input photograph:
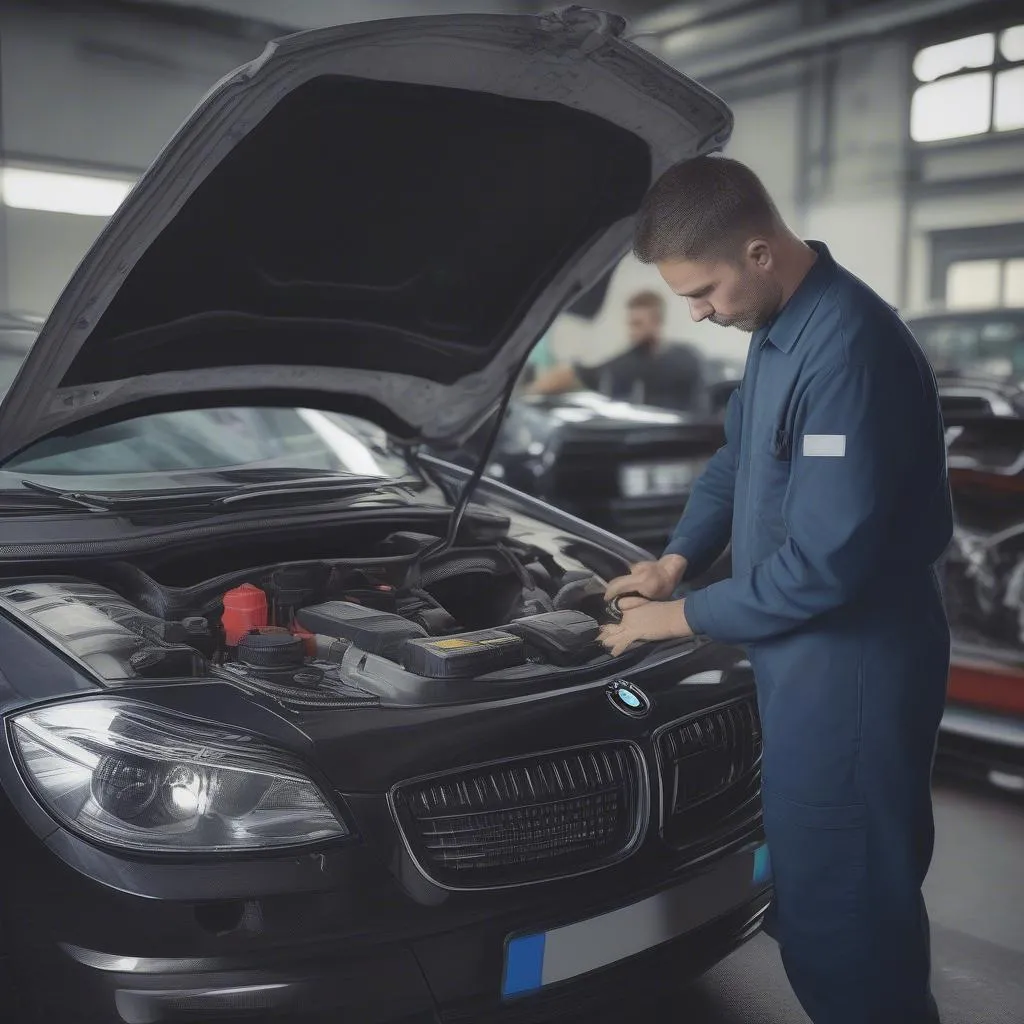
{"type": "Point", "coordinates": [891, 129]}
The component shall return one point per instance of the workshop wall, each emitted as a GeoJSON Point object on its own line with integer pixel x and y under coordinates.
{"type": "Point", "coordinates": [830, 135]}
{"type": "Point", "coordinates": [858, 207]}
{"type": "Point", "coordinates": [112, 93]}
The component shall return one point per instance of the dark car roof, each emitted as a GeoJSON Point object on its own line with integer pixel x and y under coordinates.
{"type": "Point", "coordinates": [967, 315]}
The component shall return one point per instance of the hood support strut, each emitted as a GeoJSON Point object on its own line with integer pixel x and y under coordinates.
{"type": "Point", "coordinates": [459, 511]}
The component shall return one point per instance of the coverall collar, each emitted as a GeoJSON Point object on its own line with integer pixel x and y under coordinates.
{"type": "Point", "coordinates": [790, 321]}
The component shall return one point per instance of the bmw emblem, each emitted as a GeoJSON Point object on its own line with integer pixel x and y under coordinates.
{"type": "Point", "coordinates": [628, 699]}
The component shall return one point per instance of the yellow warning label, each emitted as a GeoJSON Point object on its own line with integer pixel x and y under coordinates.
{"type": "Point", "coordinates": [456, 643]}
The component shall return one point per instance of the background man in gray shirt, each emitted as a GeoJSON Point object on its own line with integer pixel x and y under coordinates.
{"type": "Point", "coordinates": [652, 371]}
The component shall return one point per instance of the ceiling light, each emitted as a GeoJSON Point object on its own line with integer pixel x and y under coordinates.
{"type": "Point", "coordinates": [59, 192]}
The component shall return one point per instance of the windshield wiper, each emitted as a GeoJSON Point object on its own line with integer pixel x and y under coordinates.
{"type": "Point", "coordinates": [75, 499]}
{"type": "Point", "coordinates": [214, 498]}
{"type": "Point", "coordinates": [312, 485]}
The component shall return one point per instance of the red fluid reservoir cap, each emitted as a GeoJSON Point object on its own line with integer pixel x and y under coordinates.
{"type": "Point", "coordinates": [308, 639]}
{"type": "Point", "coordinates": [245, 609]}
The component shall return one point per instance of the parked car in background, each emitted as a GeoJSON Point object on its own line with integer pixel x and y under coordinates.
{"type": "Point", "coordinates": [976, 343]}
{"type": "Point", "coordinates": [978, 357]}
{"type": "Point", "coordinates": [983, 583]}
{"type": "Point", "coordinates": [625, 468]}
{"type": "Point", "coordinates": [284, 739]}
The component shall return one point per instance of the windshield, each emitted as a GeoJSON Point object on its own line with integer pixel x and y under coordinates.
{"type": "Point", "coordinates": [194, 447]}
{"type": "Point", "coordinates": [989, 346]}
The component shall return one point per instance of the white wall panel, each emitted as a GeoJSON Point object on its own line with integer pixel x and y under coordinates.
{"type": "Point", "coordinates": [101, 91]}
{"type": "Point", "coordinates": [43, 251]}
{"type": "Point", "coordinates": [83, 92]}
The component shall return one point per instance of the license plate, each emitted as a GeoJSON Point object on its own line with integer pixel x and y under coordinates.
{"type": "Point", "coordinates": [538, 959]}
{"type": "Point", "coordinates": [648, 479]}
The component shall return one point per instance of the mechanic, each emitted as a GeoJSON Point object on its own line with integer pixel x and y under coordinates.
{"type": "Point", "coordinates": [833, 488]}
{"type": "Point", "coordinates": [651, 371]}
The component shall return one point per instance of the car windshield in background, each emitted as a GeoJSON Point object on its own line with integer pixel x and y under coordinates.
{"type": "Point", "coordinates": [987, 345]}
{"type": "Point", "coordinates": [183, 449]}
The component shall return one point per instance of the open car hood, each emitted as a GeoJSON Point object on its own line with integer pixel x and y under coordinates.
{"type": "Point", "coordinates": [378, 219]}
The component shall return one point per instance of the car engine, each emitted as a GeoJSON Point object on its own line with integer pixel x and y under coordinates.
{"type": "Point", "coordinates": [342, 631]}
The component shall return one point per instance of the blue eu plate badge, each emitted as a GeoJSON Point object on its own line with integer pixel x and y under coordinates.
{"type": "Point", "coordinates": [537, 960]}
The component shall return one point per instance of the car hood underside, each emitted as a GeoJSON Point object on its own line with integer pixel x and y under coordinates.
{"type": "Point", "coordinates": [380, 219]}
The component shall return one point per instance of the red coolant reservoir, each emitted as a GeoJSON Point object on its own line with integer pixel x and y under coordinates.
{"type": "Point", "coordinates": [245, 609]}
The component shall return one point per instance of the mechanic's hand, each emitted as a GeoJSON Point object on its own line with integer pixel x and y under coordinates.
{"type": "Point", "coordinates": [654, 580]}
{"type": "Point", "coordinates": [644, 620]}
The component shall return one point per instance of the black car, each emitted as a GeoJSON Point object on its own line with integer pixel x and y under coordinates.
{"type": "Point", "coordinates": [626, 468]}
{"type": "Point", "coordinates": [973, 344]}
{"type": "Point", "coordinates": [303, 743]}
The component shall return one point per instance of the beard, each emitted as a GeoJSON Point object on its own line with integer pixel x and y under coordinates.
{"type": "Point", "coordinates": [746, 322]}
{"type": "Point", "coordinates": [765, 299]}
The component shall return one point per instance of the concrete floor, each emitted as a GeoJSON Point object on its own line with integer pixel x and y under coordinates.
{"type": "Point", "coordinates": [975, 895]}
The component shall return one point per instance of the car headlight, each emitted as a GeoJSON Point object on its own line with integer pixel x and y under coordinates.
{"type": "Point", "coordinates": [132, 776]}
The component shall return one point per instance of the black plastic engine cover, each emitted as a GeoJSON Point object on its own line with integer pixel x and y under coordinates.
{"type": "Point", "coordinates": [562, 638]}
{"type": "Point", "coordinates": [370, 630]}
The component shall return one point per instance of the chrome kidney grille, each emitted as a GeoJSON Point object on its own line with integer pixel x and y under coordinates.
{"type": "Point", "coordinates": [711, 773]}
{"type": "Point", "coordinates": [525, 820]}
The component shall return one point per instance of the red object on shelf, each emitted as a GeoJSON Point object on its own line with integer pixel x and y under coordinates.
{"type": "Point", "coordinates": [245, 609]}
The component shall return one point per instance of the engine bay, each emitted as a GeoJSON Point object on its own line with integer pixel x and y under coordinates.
{"type": "Point", "coordinates": [332, 631]}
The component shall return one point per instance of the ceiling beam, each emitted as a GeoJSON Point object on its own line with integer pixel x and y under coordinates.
{"type": "Point", "coordinates": [870, 23]}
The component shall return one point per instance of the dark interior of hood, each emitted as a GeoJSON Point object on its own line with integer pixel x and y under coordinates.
{"type": "Point", "coordinates": [371, 225]}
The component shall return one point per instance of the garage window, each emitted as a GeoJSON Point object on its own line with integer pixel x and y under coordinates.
{"type": "Point", "coordinates": [969, 86]}
{"type": "Point", "coordinates": [973, 284]}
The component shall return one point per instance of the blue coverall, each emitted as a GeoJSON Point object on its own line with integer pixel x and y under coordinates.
{"type": "Point", "coordinates": [833, 488]}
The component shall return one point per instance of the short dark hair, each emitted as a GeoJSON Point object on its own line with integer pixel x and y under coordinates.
{"type": "Point", "coordinates": [648, 300]}
{"type": "Point", "coordinates": [702, 209]}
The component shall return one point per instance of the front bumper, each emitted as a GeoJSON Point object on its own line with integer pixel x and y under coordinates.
{"type": "Point", "coordinates": [265, 966]}
{"type": "Point", "coordinates": [353, 930]}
